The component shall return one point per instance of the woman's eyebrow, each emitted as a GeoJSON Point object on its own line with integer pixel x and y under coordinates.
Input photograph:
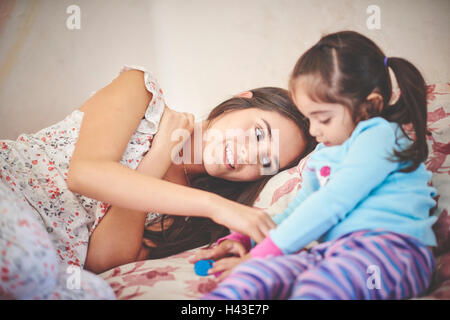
{"type": "Point", "coordinates": [269, 129]}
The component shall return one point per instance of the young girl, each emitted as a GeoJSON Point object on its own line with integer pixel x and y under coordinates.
{"type": "Point", "coordinates": [365, 192]}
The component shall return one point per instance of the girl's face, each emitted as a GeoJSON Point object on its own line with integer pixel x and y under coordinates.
{"type": "Point", "coordinates": [244, 145]}
{"type": "Point", "coordinates": [330, 123]}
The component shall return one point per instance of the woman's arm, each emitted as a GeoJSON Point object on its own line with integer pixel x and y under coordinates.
{"type": "Point", "coordinates": [110, 118]}
{"type": "Point", "coordinates": [117, 240]}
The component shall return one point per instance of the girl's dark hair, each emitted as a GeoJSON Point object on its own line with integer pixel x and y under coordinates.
{"type": "Point", "coordinates": [345, 67]}
{"type": "Point", "coordinates": [188, 233]}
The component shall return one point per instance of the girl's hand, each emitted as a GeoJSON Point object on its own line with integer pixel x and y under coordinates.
{"type": "Point", "coordinates": [226, 265]}
{"type": "Point", "coordinates": [250, 221]}
{"type": "Point", "coordinates": [224, 249]}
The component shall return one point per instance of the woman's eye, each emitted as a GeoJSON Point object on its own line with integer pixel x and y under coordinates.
{"type": "Point", "coordinates": [259, 134]}
{"type": "Point", "coordinates": [325, 121]}
{"type": "Point", "coordinates": [266, 163]}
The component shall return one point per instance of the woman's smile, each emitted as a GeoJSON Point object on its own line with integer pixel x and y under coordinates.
{"type": "Point", "coordinates": [229, 158]}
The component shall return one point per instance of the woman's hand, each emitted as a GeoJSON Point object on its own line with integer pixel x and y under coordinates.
{"type": "Point", "coordinates": [172, 120]}
{"type": "Point", "coordinates": [250, 221]}
{"type": "Point", "coordinates": [225, 249]}
{"type": "Point", "coordinates": [159, 158]}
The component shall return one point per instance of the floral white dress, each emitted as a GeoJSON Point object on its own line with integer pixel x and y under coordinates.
{"type": "Point", "coordinates": [35, 166]}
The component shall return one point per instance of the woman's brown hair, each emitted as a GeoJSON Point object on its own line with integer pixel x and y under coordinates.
{"type": "Point", "coordinates": [186, 233]}
{"type": "Point", "coordinates": [345, 67]}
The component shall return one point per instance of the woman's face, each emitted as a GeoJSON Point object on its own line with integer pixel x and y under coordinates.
{"type": "Point", "coordinates": [244, 145]}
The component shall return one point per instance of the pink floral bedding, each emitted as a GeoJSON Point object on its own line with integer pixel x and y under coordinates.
{"type": "Point", "coordinates": [174, 277]}
{"type": "Point", "coordinates": [169, 278]}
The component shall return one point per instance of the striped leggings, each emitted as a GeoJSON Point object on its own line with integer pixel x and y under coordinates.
{"type": "Point", "coordinates": [359, 265]}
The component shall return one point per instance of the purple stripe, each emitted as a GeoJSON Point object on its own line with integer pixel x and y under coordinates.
{"type": "Point", "coordinates": [294, 263]}
{"type": "Point", "coordinates": [350, 283]}
{"type": "Point", "coordinates": [276, 283]}
{"type": "Point", "coordinates": [239, 284]}
{"type": "Point", "coordinates": [322, 279]}
{"type": "Point", "coordinates": [312, 287]}
{"type": "Point", "coordinates": [361, 282]}
{"type": "Point", "coordinates": [370, 258]}
{"type": "Point", "coordinates": [420, 283]}
{"type": "Point", "coordinates": [383, 258]}
{"type": "Point", "coordinates": [287, 277]}
{"type": "Point", "coordinates": [408, 277]}
{"type": "Point", "coordinates": [339, 278]}
{"type": "Point", "coordinates": [423, 258]}
{"type": "Point", "coordinates": [399, 285]}
{"type": "Point", "coordinates": [268, 274]}
{"type": "Point", "coordinates": [416, 278]}
{"type": "Point", "coordinates": [255, 276]}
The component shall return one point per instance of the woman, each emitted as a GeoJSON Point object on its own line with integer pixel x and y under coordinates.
{"type": "Point", "coordinates": [113, 169]}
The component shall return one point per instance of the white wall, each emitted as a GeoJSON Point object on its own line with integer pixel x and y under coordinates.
{"type": "Point", "coordinates": [202, 51]}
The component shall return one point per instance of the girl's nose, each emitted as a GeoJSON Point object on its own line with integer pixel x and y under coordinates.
{"type": "Point", "coordinates": [313, 130]}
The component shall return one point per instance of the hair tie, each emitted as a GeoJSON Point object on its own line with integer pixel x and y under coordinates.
{"type": "Point", "coordinates": [386, 61]}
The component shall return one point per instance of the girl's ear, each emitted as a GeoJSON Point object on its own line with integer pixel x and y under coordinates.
{"type": "Point", "coordinates": [376, 102]}
{"type": "Point", "coordinates": [245, 94]}
{"type": "Point", "coordinates": [372, 107]}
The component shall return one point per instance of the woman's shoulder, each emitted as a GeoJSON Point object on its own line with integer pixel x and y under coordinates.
{"type": "Point", "coordinates": [155, 108]}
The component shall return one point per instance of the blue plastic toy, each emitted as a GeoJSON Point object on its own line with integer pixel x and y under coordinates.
{"type": "Point", "coordinates": [202, 266]}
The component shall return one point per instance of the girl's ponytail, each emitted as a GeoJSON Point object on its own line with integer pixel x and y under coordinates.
{"type": "Point", "coordinates": [411, 107]}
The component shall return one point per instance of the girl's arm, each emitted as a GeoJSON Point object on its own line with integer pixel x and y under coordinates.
{"type": "Point", "coordinates": [110, 118]}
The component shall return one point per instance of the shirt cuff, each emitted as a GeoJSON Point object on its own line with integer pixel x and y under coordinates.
{"type": "Point", "coordinates": [235, 236]}
{"type": "Point", "coordinates": [266, 248]}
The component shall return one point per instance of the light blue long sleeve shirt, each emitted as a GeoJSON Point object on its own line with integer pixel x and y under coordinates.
{"type": "Point", "coordinates": [364, 190]}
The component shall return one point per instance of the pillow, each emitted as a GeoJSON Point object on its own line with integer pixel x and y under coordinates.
{"type": "Point", "coordinates": [281, 189]}
{"type": "Point", "coordinates": [438, 162]}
